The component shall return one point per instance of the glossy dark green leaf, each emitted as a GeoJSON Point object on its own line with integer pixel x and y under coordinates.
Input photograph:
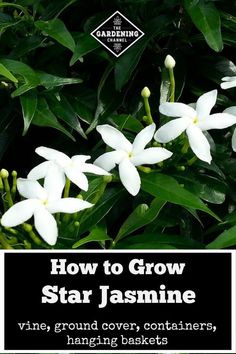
{"type": "Point", "coordinates": [108, 99]}
{"type": "Point", "coordinates": [100, 210]}
{"type": "Point", "coordinates": [43, 117]}
{"type": "Point", "coordinates": [64, 111]}
{"type": "Point", "coordinates": [6, 73]}
{"type": "Point", "coordinates": [206, 187]}
{"type": "Point", "coordinates": [28, 105]}
{"type": "Point", "coordinates": [86, 44]}
{"type": "Point", "coordinates": [158, 240]}
{"type": "Point", "coordinates": [127, 122]}
{"type": "Point", "coordinates": [140, 217]}
{"type": "Point", "coordinates": [127, 63]}
{"type": "Point", "coordinates": [168, 189]}
{"type": "Point", "coordinates": [96, 235]}
{"type": "Point", "coordinates": [56, 29]}
{"type": "Point", "coordinates": [26, 45]}
{"type": "Point", "coordinates": [226, 239]}
{"type": "Point", "coordinates": [206, 18]}
{"type": "Point", "coordinates": [50, 81]}
{"type": "Point", "coordinates": [24, 74]}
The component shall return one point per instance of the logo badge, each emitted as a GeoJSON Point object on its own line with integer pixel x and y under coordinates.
{"type": "Point", "coordinates": [117, 34]}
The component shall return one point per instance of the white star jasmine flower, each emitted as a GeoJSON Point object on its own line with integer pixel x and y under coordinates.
{"type": "Point", "coordinates": [127, 156]}
{"type": "Point", "coordinates": [41, 203]}
{"type": "Point", "coordinates": [232, 110]}
{"type": "Point", "coordinates": [228, 82]}
{"type": "Point", "coordinates": [194, 122]}
{"type": "Point", "coordinates": [74, 168]}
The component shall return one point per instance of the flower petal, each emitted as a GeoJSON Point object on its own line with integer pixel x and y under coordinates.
{"type": "Point", "coordinates": [68, 205]}
{"type": "Point", "coordinates": [151, 156]}
{"type": "Point", "coordinates": [234, 140]}
{"type": "Point", "coordinates": [217, 121]}
{"type": "Point", "coordinates": [114, 138]}
{"type": "Point", "coordinates": [230, 81]}
{"type": "Point", "coordinates": [46, 225]}
{"type": "Point", "coordinates": [199, 143]}
{"type": "Point", "coordinates": [231, 110]}
{"type": "Point", "coordinates": [177, 109]}
{"type": "Point", "coordinates": [205, 104]}
{"type": "Point", "coordinates": [19, 213]}
{"type": "Point", "coordinates": [31, 189]}
{"type": "Point", "coordinates": [172, 129]}
{"type": "Point", "coordinates": [91, 168]}
{"type": "Point", "coordinates": [53, 155]}
{"type": "Point", "coordinates": [77, 177]}
{"type": "Point", "coordinates": [78, 159]}
{"type": "Point", "coordinates": [39, 171]}
{"type": "Point", "coordinates": [129, 177]}
{"type": "Point", "coordinates": [109, 160]}
{"type": "Point", "coordinates": [54, 182]}
{"type": "Point", "coordinates": [143, 138]}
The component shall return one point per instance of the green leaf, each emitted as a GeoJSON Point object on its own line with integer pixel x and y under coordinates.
{"type": "Point", "coordinates": [43, 117]}
{"type": "Point", "coordinates": [26, 45]}
{"type": "Point", "coordinates": [127, 63]}
{"type": "Point", "coordinates": [86, 44]}
{"type": "Point", "coordinates": [92, 217]}
{"type": "Point", "coordinates": [28, 104]}
{"type": "Point", "coordinates": [206, 187]}
{"type": "Point", "coordinates": [6, 73]}
{"type": "Point", "coordinates": [206, 18]}
{"type": "Point", "coordinates": [127, 122]}
{"type": "Point", "coordinates": [140, 217]}
{"type": "Point", "coordinates": [158, 240]}
{"type": "Point", "coordinates": [50, 81]}
{"type": "Point", "coordinates": [97, 234]}
{"type": "Point", "coordinates": [57, 30]}
{"type": "Point", "coordinates": [168, 189]}
{"type": "Point", "coordinates": [226, 239]}
{"type": "Point", "coordinates": [30, 78]}
{"type": "Point", "coordinates": [64, 111]}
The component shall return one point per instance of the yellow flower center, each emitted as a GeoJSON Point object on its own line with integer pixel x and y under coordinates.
{"type": "Point", "coordinates": [130, 154]}
{"type": "Point", "coordinates": [44, 202]}
{"type": "Point", "coordinates": [195, 120]}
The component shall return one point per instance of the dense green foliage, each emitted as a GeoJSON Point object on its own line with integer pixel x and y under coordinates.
{"type": "Point", "coordinates": [58, 83]}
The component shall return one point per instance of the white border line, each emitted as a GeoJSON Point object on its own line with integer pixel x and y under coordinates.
{"type": "Point", "coordinates": [2, 314]}
{"type": "Point", "coordinates": [234, 301]}
{"type": "Point", "coordinates": [182, 351]}
{"type": "Point", "coordinates": [104, 45]}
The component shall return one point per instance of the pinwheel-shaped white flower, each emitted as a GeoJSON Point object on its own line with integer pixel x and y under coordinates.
{"type": "Point", "coordinates": [194, 122]}
{"type": "Point", "coordinates": [228, 82]}
{"type": "Point", "coordinates": [74, 168]}
{"type": "Point", "coordinates": [232, 110]}
{"type": "Point", "coordinates": [128, 155]}
{"type": "Point", "coordinates": [41, 203]}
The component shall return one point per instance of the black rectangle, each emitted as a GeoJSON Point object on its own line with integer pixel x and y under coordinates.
{"type": "Point", "coordinates": [208, 275]}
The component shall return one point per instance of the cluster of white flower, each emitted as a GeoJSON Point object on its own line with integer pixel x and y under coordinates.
{"type": "Point", "coordinates": [42, 202]}
{"type": "Point", "coordinates": [194, 122]}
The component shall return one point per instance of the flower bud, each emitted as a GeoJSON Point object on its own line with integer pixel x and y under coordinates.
{"type": "Point", "coordinates": [107, 179]}
{"type": "Point", "coordinates": [27, 227]}
{"type": "Point", "coordinates": [145, 93]}
{"type": "Point", "coordinates": [4, 173]}
{"type": "Point", "coordinates": [169, 62]}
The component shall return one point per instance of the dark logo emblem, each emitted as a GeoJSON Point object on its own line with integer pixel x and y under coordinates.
{"type": "Point", "coordinates": [117, 34]}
